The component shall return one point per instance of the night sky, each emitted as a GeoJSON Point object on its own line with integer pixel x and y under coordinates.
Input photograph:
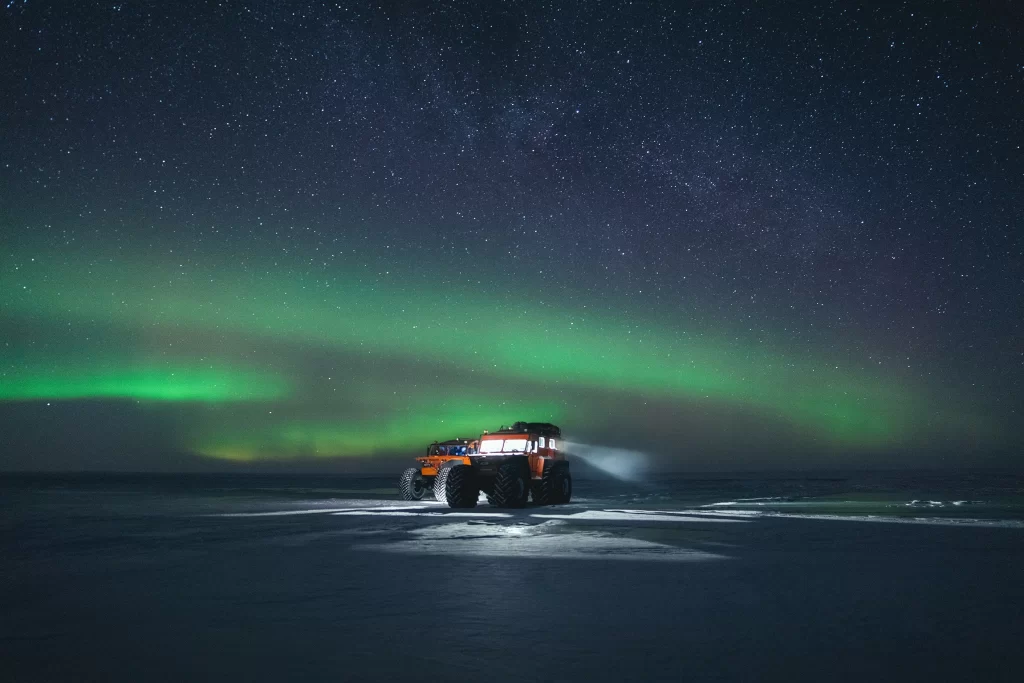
{"type": "Point", "coordinates": [319, 236]}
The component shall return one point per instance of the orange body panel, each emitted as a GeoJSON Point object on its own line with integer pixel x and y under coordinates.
{"type": "Point", "coordinates": [536, 466]}
{"type": "Point", "coordinates": [429, 464]}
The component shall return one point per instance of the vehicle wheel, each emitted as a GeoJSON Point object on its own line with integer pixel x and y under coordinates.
{"type": "Point", "coordinates": [561, 483]}
{"type": "Point", "coordinates": [487, 486]}
{"type": "Point", "coordinates": [411, 485]}
{"type": "Point", "coordinates": [544, 488]}
{"type": "Point", "coordinates": [440, 481]}
{"type": "Point", "coordinates": [511, 485]}
{"type": "Point", "coordinates": [460, 486]}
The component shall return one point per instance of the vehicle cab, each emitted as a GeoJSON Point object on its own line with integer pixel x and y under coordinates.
{"type": "Point", "coordinates": [539, 441]}
{"type": "Point", "coordinates": [441, 452]}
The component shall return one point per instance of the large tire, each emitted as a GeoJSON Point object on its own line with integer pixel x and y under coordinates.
{"type": "Point", "coordinates": [491, 500]}
{"type": "Point", "coordinates": [441, 480]}
{"type": "Point", "coordinates": [460, 486]}
{"type": "Point", "coordinates": [561, 483]}
{"type": "Point", "coordinates": [411, 485]}
{"type": "Point", "coordinates": [544, 488]}
{"type": "Point", "coordinates": [511, 484]}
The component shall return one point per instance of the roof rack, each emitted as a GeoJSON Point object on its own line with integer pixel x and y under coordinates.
{"type": "Point", "coordinates": [539, 428]}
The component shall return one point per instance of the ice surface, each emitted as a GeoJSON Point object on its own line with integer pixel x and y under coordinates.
{"type": "Point", "coordinates": [548, 540]}
{"type": "Point", "coordinates": [632, 516]}
{"type": "Point", "coordinates": [154, 581]}
{"type": "Point", "coordinates": [933, 521]}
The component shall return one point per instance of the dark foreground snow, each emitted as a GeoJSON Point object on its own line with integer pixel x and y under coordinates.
{"type": "Point", "coordinates": [130, 585]}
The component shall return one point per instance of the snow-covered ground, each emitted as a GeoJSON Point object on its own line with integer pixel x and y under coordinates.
{"type": "Point", "coordinates": [136, 583]}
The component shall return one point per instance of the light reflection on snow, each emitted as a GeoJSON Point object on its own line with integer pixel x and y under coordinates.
{"type": "Point", "coordinates": [549, 540]}
{"type": "Point", "coordinates": [635, 516]}
{"type": "Point", "coordinates": [356, 505]}
{"type": "Point", "coordinates": [420, 513]}
{"type": "Point", "coordinates": [282, 513]}
{"type": "Point", "coordinates": [715, 513]}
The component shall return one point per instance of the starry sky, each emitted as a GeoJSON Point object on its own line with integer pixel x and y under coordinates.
{"type": "Point", "coordinates": [318, 236]}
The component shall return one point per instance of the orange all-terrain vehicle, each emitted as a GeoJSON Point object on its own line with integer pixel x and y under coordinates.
{"type": "Point", "coordinates": [508, 465]}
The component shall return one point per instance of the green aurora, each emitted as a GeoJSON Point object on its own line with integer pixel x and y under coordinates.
{"type": "Point", "coordinates": [157, 383]}
{"type": "Point", "coordinates": [554, 353]}
{"type": "Point", "coordinates": [408, 428]}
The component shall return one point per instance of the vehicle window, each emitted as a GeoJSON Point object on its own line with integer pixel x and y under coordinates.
{"type": "Point", "coordinates": [491, 446]}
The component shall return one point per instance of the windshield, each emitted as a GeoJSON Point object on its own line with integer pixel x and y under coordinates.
{"type": "Point", "coordinates": [506, 446]}
{"type": "Point", "coordinates": [491, 446]}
